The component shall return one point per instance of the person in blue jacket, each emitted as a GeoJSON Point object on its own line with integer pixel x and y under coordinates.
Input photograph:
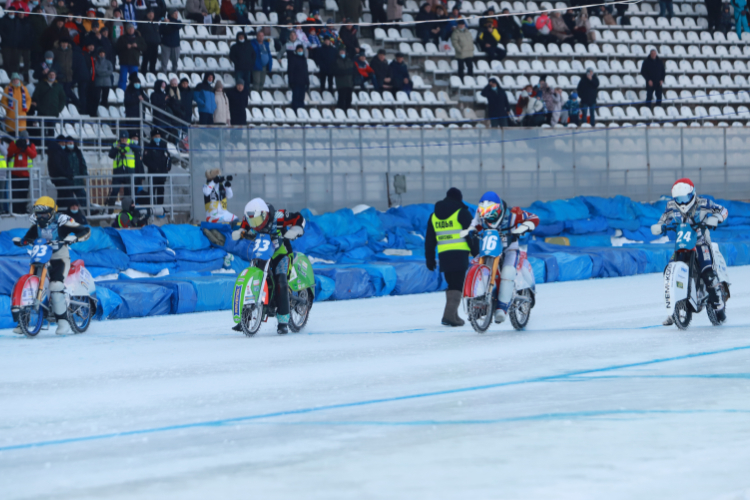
{"type": "Point", "coordinates": [204, 97]}
{"type": "Point", "coordinates": [263, 61]}
{"type": "Point", "coordinates": [740, 16]}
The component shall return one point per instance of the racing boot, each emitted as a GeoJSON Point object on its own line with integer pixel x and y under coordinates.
{"type": "Point", "coordinates": [237, 327]}
{"type": "Point", "coordinates": [18, 330]}
{"type": "Point", "coordinates": [59, 307]}
{"type": "Point", "coordinates": [669, 321]}
{"type": "Point", "coordinates": [500, 315]}
{"type": "Point", "coordinates": [63, 327]}
{"type": "Point", "coordinates": [282, 329]}
{"type": "Point", "coordinates": [450, 313]}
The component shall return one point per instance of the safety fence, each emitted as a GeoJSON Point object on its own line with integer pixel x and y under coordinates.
{"type": "Point", "coordinates": [329, 168]}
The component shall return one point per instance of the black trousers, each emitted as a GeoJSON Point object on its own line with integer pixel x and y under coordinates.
{"type": "Point", "coordinates": [158, 183]}
{"type": "Point", "coordinates": [19, 191]}
{"type": "Point", "coordinates": [323, 79]}
{"type": "Point", "coordinates": [148, 63]}
{"type": "Point", "coordinates": [345, 98]}
{"type": "Point", "coordinates": [467, 63]}
{"type": "Point", "coordinates": [455, 280]}
{"type": "Point", "coordinates": [650, 91]}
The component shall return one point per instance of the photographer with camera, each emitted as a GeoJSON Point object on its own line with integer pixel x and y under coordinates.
{"type": "Point", "coordinates": [216, 192]}
{"type": "Point", "coordinates": [131, 217]}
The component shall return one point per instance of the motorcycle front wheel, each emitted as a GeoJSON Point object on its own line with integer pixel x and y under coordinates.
{"type": "Point", "coordinates": [301, 303]}
{"type": "Point", "coordinates": [682, 314]}
{"type": "Point", "coordinates": [79, 316]}
{"type": "Point", "coordinates": [252, 317]}
{"type": "Point", "coordinates": [480, 313]}
{"type": "Point", "coordinates": [30, 320]}
{"type": "Point", "coordinates": [520, 310]}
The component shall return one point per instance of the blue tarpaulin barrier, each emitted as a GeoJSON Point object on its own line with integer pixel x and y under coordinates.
{"type": "Point", "coordinates": [139, 299]}
{"type": "Point", "coordinates": [99, 240]}
{"type": "Point", "coordinates": [7, 248]}
{"type": "Point", "coordinates": [110, 258]}
{"type": "Point", "coordinates": [6, 319]}
{"type": "Point", "coordinates": [11, 268]}
{"type": "Point", "coordinates": [414, 277]}
{"type": "Point", "coordinates": [185, 237]}
{"type": "Point", "coordinates": [107, 303]}
{"type": "Point", "coordinates": [144, 240]}
{"type": "Point", "coordinates": [351, 283]}
{"type": "Point", "coordinates": [324, 288]}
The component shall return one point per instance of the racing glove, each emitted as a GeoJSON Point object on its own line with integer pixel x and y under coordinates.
{"type": "Point", "coordinates": [712, 221]}
{"type": "Point", "coordinates": [238, 234]}
{"type": "Point", "coordinates": [294, 232]}
{"type": "Point", "coordinates": [657, 229]}
{"type": "Point", "coordinates": [522, 228]}
{"type": "Point", "coordinates": [18, 242]}
{"type": "Point", "coordinates": [71, 238]}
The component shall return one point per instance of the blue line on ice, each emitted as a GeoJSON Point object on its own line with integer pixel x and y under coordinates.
{"type": "Point", "coordinates": [217, 423]}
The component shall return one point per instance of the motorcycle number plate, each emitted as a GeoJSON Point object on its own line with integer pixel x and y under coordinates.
{"type": "Point", "coordinates": [491, 244]}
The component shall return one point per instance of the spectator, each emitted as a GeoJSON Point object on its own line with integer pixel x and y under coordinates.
{"type": "Point", "coordinates": [344, 71]}
{"type": "Point", "coordinates": [129, 48]}
{"type": "Point", "coordinates": [400, 74]}
{"type": "Point", "coordinates": [159, 7]}
{"type": "Point", "coordinates": [186, 100]}
{"type": "Point", "coordinates": [50, 11]}
{"type": "Point", "coordinates": [117, 26]}
{"type": "Point", "coordinates": [299, 77]}
{"type": "Point", "coordinates": [16, 31]}
{"type": "Point", "coordinates": [159, 100]}
{"type": "Point", "coordinates": [740, 16]}
{"type": "Point", "coordinates": [134, 95]}
{"type": "Point", "coordinates": [21, 156]}
{"type": "Point", "coordinates": [205, 99]}
{"type": "Point", "coordinates": [377, 11]}
{"type": "Point", "coordinates": [291, 44]}
{"type": "Point", "coordinates": [243, 57]}
{"type": "Point", "coordinates": [366, 73]}
{"type": "Point", "coordinates": [559, 29]}
{"type": "Point", "coordinates": [543, 25]}
{"type": "Point", "coordinates": [237, 98]}
{"type": "Point", "coordinates": [150, 33]}
{"type": "Point", "coordinates": [101, 41]}
{"type": "Point", "coordinates": [652, 70]}
{"type": "Point", "coordinates": [214, 11]}
{"type": "Point", "coordinates": [380, 66]}
{"type": "Point", "coordinates": [726, 23]}
{"type": "Point", "coordinates": [195, 10]}
{"type": "Point", "coordinates": [327, 55]}
{"type": "Point", "coordinates": [607, 17]}
{"type": "Point", "coordinates": [666, 9]}
{"type": "Point", "coordinates": [509, 27]}
{"type": "Point", "coordinates": [350, 9]}
{"type": "Point", "coordinates": [582, 31]}
{"type": "Point", "coordinates": [571, 110]}
{"type": "Point", "coordinates": [713, 13]}
{"type": "Point", "coordinates": [348, 35]}
{"type": "Point", "coordinates": [241, 10]}
{"type": "Point", "coordinates": [427, 31]}
{"type": "Point", "coordinates": [49, 99]}
{"type": "Point", "coordinates": [45, 66]}
{"type": "Point", "coordinates": [263, 61]}
{"type": "Point", "coordinates": [81, 78]}
{"type": "Point", "coordinates": [170, 40]}
{"type": "Point", "coordinates": [37, 25]}
{"type": "Point", "coordinates": [102, 80]}
{"type": "Point", "coordinates": [464, 47]}
{"type": "Point", "coordinates": [57, 166]}
{"type": "Point", "coordinates": [64, 59]}
{"type": "Point", "coordinates": [488, 39]}
{"type": "Point", "coordinates": [221, 113]}
{"type": "Point", "coordinates": [18, 107]}
{"type": "Point", "coordinates": [156, 158]}
{"type": "Point", "coordinates": [528, 28]}
{"type": "Point", "coordinates": [91, 23]}
{"type": "Point", "coordinates": [123, 167]}
{"type": "Point", "coordinates": [395, 9]}
{"type": "Point", "coordinates": [498, 107]}
{"type": "Point", "coordinates": [74, 212]}
{"type": "Point", "coordinates": [130, 216]}
{"type": "Point", "coordinates": [128, 11]}
{"type": "Point", "coordinates": [530, 110]}
{"type": "Point", "coordinates": [87, 93]}
{"type": "Point", "coordinates": [109, 11]}
{"type": "Point", "coordinates": [570, 19]}
{"type": "Point", "coordinates": [555, 106]}
{"type": "Point", "coordinates": [546, 94]}
{"type": "Point", "coordinates": [78, 170]}
{"type": "Point", "coordinates": [588, 88]}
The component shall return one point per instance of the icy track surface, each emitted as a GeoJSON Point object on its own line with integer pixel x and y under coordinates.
{"type": "Point", "coordinates": [375, 399]}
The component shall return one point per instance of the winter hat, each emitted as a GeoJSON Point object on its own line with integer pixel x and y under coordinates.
{"type": "Point", "coordinates": [240, 81]}
{"type": "Point", "coordinates": [454, 194]}
{"type": "Point", "coordinates": [574, 95]}
{"type": "Point", "coordinates": [131, 25]}
{"type": "Point", "coordinates": [133, 77]}
{"type": "Point", "coordinates": [127, 202]}
{"type": "Point", "coordinates": [49, 55]}
{"type": "Point", "coordinates": [155, 131]}
{"type": "Point", "coordinates": [124, 134]}
{"type": "Point", "coordinates": [14, 76]}
{"type": "Point", "coordinates": [214, 172]}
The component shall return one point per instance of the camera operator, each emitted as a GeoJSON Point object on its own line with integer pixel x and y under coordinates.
{"type": "Point", "coordinates": [216, 192]}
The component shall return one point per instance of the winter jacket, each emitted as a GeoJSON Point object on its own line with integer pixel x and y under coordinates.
{"type": "Point", "coordinates": [221, 113]}
{"type": "Point", "coordinates": [42, 68]}
{"type": "Point", "coordinates": [349, 37]}
{"type": "Point", "coordinates": [195, 7]}
{"type": "Point", "coordinates": [150, 33]}
{"type": "Point", "coordinates": [297, 71]}
{"type": "Point", "coordinates": [450, 260]}
{"type": "Point", "coordinates": [381, 68]}
{"type": "Point", "coordinates": [587, 90]}
{"type": "Point", "coordinates": [653, 69]}
{"type": "Point", "coordinates": [102, 42]}
{"type": "Point", "coordinates": [237, 105]}
{"type": "Point", "coordinates": [344, 71]}
{"type": "Point", "coordinates": [132, 103]}
{"type": "Point", "coordinates": [262, 51]}
{"type": "Point", "coordinates": [398, 73]}
{"type": "Point", "coordinates": [394, 10]}
{"type": "Point", "coordinates": [19, 107]}
{"type": "Point", "coordinates": [104, 70]}
{"type": "Point", "coordinates": [170, 33]}
{"type": "Point", "coordinates": [213, 7]}
{"type": "Point", "coordinates": [242, 55]}
{"type": "Point", "coordinates": [572, 107]}
{"type": "Point", "coordinates": [156, 158]}
{"type": "Point", "coordinates": [497, 101]}
{"type": "Point", "coordinates": [50, 99]}
{"type": "Point", "coordinates": [51, 35]}
{"type": "Point", "coordinates": [508, 27]}
{"type": "Point", "coordinates": [462, 43]}
{"type": "Point", "coordinates": [204, 96]}
{"type": "Point", "coordinates": [20, 158]}
{"type": "Point", "coordinates": [488, 39]}
{"type": "Point", "coordinates": [57, 164]}
{"type": "Point", "coordinates": [531, 106]}
{"type": "Point", "coordinates": [15, 32]}
{"type": "Point", "coordinates": [327, 55]}
{"type": "Point", "coordinates": [186, 102]}
{"type": "Point", "coordinates": [64, 62]}
{"type": "Point", "coordinates": [76, 166]}
{"type": "Point", "coordinates": [560, 29]}
{"type": "Point", "coordinates": [543, 24]}
{"type": "Point", "coordinates": [130, 56]}
{"type": "Point", "coordinates": [159, 7]}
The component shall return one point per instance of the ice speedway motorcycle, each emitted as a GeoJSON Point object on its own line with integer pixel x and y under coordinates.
{"type": "Point", "coordinates": [685, 292]}
{"type": "Point", "coordinates": [30, 305]}
{"type": "Point", "coordinates": [483, 280]}
{"type": "Point", "coordinates": [253, 302]}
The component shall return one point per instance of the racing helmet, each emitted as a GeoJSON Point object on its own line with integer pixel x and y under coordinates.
{"type": "Point", "coordinates": [491, 209]}
{"type": "Point", "coordinates": [257, 214]}
{"type": "Point", "coordinates": [44, 208]}
{"type": "Point", "coordinates": [683, 194]}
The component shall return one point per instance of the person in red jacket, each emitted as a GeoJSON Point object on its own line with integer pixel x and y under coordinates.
{"type": "Point", "coordinates": [366, 73]}
{"type": "Point", "coordinates": [511, 223]}
{"type": "Point", "coordinates": [21, 156]}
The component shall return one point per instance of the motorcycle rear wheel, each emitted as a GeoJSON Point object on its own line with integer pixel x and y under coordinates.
{"type": "Point", "coordinates": [682, 314]}
{"type": "Point", "coordinates": [299, 313]}
{"type": "Point", "coordinates": [252, 317]}
{"type": "Point", "coordinates": [30, 320]}
{"type": "Point", "coordinates": [79, 317]}
{"type": "Point", "coordinates": [520, 310]}
{"type": "Point", "coordinates": [480, 313]}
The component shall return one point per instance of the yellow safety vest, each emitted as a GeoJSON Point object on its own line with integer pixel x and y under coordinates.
{"type": "Point", "coordinates": [129, 158]}
{"type": "Point", "coordinates": [29, 162]}
{"type": "Point", "coordinates": [448, 233]}
{"type": "Point", "coordinates": [3, 162]}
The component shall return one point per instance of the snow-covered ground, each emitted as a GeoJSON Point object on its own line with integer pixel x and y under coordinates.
{"type": "Point", "coordinates": [377, 400]}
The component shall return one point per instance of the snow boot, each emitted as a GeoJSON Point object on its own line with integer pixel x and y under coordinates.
{"type": "Point", "coordinates": [237, 327]}
{"type": "Point", "coordinates": [63, 327]}
{"type": "Point", "coordinates": [282, 329]}
{"type": "Point", "coordinates": [669, 321]}
{"type": "Point", "coordinates": [18, 330]}
{"type": "Point", "coordinates": [500, 316]}
{"type": "Point", "coordinates": [450, 313]}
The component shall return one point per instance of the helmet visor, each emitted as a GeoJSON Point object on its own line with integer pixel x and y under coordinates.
{"type": "Point", "coordinates": [256, 220]}
{"type": "Point", "coordinates": [685, 199]}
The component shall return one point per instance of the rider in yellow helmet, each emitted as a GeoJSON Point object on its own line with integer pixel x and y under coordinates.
{"type": "Point", "coordinates": [59, 230]}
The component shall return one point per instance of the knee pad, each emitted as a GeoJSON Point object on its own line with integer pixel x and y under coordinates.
{"type": "Point", "coordinates": [507, 281]}
{"type": "Point", "coordinates": [56, 286]}
{"type": "Point", "coordinates": [57, 300]}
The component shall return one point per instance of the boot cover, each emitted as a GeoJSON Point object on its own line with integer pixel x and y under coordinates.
{"type": "Point", "coordinates": [63, 327]}
{"type": "Point", "coordinates": [452, 302]}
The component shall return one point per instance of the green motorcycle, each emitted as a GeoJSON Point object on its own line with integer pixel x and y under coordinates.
{"type": "Point", "coordinates": [253, 298]}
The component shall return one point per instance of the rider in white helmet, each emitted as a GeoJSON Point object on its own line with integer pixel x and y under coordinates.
{"type": "Point", "coordinates": [687, 207]}
{"type": "Point", "coordinates": [283, 227]}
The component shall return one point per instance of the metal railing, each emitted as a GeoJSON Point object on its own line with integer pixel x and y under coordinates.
{"type": "Point", "coordinates": [92, 134]}
{"type": "Point", "coordinates": [173, 129]}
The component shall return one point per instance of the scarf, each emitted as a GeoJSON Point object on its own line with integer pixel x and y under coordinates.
{"type": "Point", "coordinates": [10, 90]}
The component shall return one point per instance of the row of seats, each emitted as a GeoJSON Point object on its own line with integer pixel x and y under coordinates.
{"type": "Point", "coordinates": [361, 116]}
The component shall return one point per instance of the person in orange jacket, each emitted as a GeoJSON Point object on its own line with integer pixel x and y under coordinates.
{"type": "Point", "coordinates": [19, 107]}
